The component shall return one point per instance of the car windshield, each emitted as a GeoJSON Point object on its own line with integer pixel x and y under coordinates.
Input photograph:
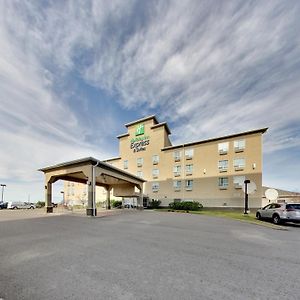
{"type": "Point", "coordinates": [293, 206]}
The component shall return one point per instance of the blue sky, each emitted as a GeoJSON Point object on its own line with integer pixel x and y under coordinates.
{"type": "Point", "coordinates": [73, 72]}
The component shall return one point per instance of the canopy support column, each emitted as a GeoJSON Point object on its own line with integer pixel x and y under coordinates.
{"type": "Point", "coordinates": [48, 197]}
{"type": "Point", "coordinates": [140, 204]}
{"type": "Point", "coordinates": [108, 189]}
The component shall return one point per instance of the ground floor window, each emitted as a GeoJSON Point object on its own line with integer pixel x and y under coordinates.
{"type": "Point", "coordinates": [189, 185]}
{"type": "Point", "coordinates": [223, 182]}
{"type": "Point", "coordinates": [177, 185]}
{"type": "Point", "coordinates": [155, 186]}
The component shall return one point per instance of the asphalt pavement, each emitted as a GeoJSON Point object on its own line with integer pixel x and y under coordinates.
{"type": "Point", "coordinates": [147, 255]}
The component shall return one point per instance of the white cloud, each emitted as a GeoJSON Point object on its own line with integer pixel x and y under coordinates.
{"type": "Point", "coordinates": [224, 67]}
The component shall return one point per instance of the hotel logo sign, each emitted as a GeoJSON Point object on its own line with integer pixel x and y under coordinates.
{"type": "Point", "coordinates": [140, 142]}
{"type": "Point", "coordinates": [140, 129]}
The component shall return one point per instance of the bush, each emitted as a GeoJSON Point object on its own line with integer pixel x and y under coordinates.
{"type": "Point", "coordinates": [116, 203]}
{"type": "Point", "coordinates": [40, 204]}
{"type": "Point", "coordinates": [154, 203]}
{"type": "Point", "coordinates": [186, 205]}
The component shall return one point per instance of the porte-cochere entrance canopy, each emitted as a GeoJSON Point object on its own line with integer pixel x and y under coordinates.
{"type": "Point", "coordinates": [93, 172]}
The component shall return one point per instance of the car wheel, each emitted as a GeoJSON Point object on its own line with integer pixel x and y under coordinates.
{"type": "Point", "coordinates": [31, 207]}
{"type": "Point", "coordinates": [258, 216]}
{"type": "Point", "coordinates": [276, 219]}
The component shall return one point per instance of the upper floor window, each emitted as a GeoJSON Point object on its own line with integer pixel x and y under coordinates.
{"type": "Point", "coordinates": [155, 173]}
{"type": "Point", "coordinates": [239, 164]}
{"type": "Point", "coordinates": [223, 165]}
{"type": "Point", "coordinates": [238, 181]}
{"type": "Point", "coordinates": [189, 185]}
{"type": "Point", "coordinates": [177, 155]}
{"type": "Point", "coordinates": [155, 186]}
{"type": "Point", "coordinates": [189, 153]}
{"type": "Point", "coordinates": [177, 170]}
{"type": "Point", "coordinates": [189, 169]}
{"type": "Point", "coordinates": [125, 164]}
{"type": "Point", "coordinates": [223, 182]}
{"type": "Point", "coordinates": [223, 148]}
{"type": "Point", "coordinates": [139, 174]}
{"type": "Point", "coordinates": [140, 161]}
{"type": "Point", "coordinates": [239, 145]}
{"type": "Point", "coordinates": [155, 159]}
{"type": "Point", "coordinates": [177, 185]}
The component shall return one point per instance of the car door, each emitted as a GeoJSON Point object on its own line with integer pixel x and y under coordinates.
{"type": "Point", "coordinates": [270, 211]}
{"type": "Point", "coordinates": [264, 212]}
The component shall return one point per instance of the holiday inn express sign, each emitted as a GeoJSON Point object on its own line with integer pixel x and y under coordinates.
{"type": "Point", "coordinates": [140, 129]}
{"type": "Point", "coordinates": [140, 142]}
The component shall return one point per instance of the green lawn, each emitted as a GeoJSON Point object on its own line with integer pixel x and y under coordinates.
{"type": "Point", "coordinates": [236, 215]}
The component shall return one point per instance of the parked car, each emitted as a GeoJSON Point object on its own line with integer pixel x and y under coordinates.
{"type": "Point", "coordinates": [3, 205]}
{"type": "Point", "coordinates": [280, 212]}
{"type": "Point", "coordinates": [54, 204]}
{"type": "Point", "coordinates": [18, 205]}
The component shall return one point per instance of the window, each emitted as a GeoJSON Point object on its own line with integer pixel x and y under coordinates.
{"type": "Point", "coordinates": [177, 185]}
{"type": "Point", "coordinates": [155, 186]}
{"type": "Point", "coordinates": [189, 153]}
{"type": "Point", "coordinates": [189, 185]}
{"type": "Point", "coordinates": [177, 155]}
{"type": "Point", "coordinates": [223, 165]}
{"type": "Point", "coordinates": [125, 164]}
{"type": "Point", "coordinates": [239, 145]}
{"type": "Point", "coordinates": [189, 169]}
{"type": "Point", "coordinates": [72, 191]}
{"type": "Point", "coordinates": [238, 181]}
{"type": "Point", "coordinates": [155, 159]}
{"type": "Point", "coordinates": [223, 148]}
{"type": "Point", "coordinates": [223, 183]}
{"type": "Point", "coordinates": [139, 174]}
{"type": "Point", "coordinates": [140, 161]}
{"type": "Point", "coordinates": [155, 173]}
{"type": "Point", "coordinates": [177, 170]}
{"type": "Point", "coordinates": [239, 164]}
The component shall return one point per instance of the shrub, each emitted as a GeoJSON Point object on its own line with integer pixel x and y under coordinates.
{"type": "Point", "coordinates": [40, 204]}
{"type": "Point", "coordinates": [186, 205]}
{"type": "Point", "coordinates": [154, 203]}
{"type": "Point", "coordinates": [116, 203]}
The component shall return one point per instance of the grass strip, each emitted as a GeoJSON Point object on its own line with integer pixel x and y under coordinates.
{"type": "Point", "coordinates": [235, 215]}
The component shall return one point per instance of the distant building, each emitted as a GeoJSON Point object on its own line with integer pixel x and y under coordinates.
{"type": "Point", "coordinates": [283, 196]}
{"type": "Point", "coordinates": [210, 171]}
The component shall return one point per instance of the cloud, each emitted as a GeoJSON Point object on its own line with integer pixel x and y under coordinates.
{"type": "Point", "coordinates": [209, 69]}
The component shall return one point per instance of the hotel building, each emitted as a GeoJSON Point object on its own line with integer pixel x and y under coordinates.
{"type": "Point", "coordinates": [210, 171]}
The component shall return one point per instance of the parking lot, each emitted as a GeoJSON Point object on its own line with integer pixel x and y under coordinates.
{"type": "Point", "coordinates": [145, 255]}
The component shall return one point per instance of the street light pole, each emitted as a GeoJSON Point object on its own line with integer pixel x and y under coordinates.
{"type": "Point", "coordinates": [2, 185]}
{"type": "Point", "coordinates": [246, 197]}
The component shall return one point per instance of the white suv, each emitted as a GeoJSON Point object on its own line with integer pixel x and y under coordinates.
{"type": "Point", "coordinates": [280, 212]}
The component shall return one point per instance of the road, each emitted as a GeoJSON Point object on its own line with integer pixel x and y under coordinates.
{"type": "Point", "coordinates": [147, 255]}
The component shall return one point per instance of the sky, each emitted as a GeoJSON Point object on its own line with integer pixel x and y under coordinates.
{"type": "Point", "coordinates": [72, 73]}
